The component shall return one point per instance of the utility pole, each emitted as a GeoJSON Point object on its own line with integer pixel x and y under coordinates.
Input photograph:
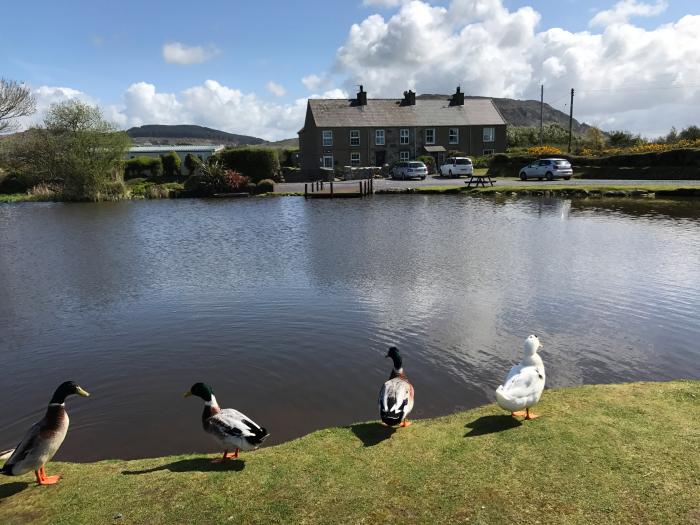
{"type": "Point", "coordinates": [571, 117]}
{"type": "Point", "coordinates": [541, 113]}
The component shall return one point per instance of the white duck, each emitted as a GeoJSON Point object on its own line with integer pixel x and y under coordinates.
{"type": "Point", "coordinates": [525, 382]}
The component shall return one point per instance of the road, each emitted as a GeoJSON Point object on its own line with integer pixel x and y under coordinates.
{"type": "Point", "coordinates": [384, 184]}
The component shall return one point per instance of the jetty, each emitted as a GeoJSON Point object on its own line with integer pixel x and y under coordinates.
{"type": "Point", "coordinates": [338, 190]}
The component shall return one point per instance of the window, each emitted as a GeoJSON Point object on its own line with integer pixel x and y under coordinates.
{"type": "Point", "coordinates": [354, 137]}
{"type": "Point", "coordinates": [430, 136]}
{"type": "Point", "coordinates": [379, 137]}
{"type": "Point", "coordinates": [404, 136]}
{"type": "Point", "coordinates": [489, 134]}
{"type": "Point", "coordinates": [454, 135]}
{"type": "Point", "coordinates": [403, 155]}
{"type": "Point", "coordinates": [327, 137]}
{"type": "Point", "coordinates": [354, 159]}
{"type": "Point", "coordinates": [488, 152]}
{"type": "Point", "coordinates": [328, 161]}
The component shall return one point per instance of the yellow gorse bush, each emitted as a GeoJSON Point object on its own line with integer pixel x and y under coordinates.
{"type": "Point", "coordinates": [641, 148]}
{"type": "Point", "coordinates": [544, 150]}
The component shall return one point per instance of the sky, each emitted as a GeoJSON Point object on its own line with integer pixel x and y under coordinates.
{"type": "Point", "coordinates": [250, 67]}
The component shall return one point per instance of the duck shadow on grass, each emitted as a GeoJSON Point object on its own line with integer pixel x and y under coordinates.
{"type": "Point", "coordinates": [491, 424]}
{"type": "Point", "coordinates": [193, 465]}
{"type": "Point", "coordinates": [10, 489]}
{"type": "Point", "coordinates": [372, 433]}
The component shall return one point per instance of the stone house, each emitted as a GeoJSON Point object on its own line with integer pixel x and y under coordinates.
{"type": "Point", "coordinates": [374, 132]}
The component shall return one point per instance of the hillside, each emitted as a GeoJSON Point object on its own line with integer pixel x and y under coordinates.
{"type": "Point", "coordinates": [623, 454]}
{"type": "Point", "coordinates": [187, 134]}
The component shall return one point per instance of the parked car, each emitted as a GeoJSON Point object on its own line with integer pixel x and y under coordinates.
{"type": "Point", "coordinates": [409, 170]}
{"type": "Point", "coordinates": [549, 169]}
{"type": "Point", "coordinates": [457, 166]}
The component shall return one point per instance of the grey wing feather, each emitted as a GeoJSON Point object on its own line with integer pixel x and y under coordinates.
{"type": "Point", "coordinates": [230, 422]}
{"type": "Point", "coordinates": [25, 446]}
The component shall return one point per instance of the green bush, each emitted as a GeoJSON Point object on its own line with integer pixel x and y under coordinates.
{"type": "Point", "coordinates": [266, 186]}
{"type": "Point", "coordinates": [255, 163]}
{"type": "Point", "coordinates": [140, 166]}
{"type": "Point", "coordinates": [429, 161]}
{"type": "Point", "coordinates": [215, 178]}
{"type": "Point", "coordinates": [171, 164]}
{"type": "Point", "coordinates": [191, 163]}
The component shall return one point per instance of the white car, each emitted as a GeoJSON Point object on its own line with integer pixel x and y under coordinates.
{"type": "Point", "coordinates": [456, 167]}
{"type": "Point", "coordinates": [409, 170]}
{"type": "Point", "coordinates": [549, 169]}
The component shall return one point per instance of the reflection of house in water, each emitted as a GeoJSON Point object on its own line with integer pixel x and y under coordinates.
{"type": "Point", "coordinates": [203, 152]}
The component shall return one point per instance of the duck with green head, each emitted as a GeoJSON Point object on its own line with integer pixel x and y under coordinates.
{"type": "Point", "coordinates": [396, 395]}
{"type": "Point", "coordinates": [232, 429]}
{"type": "Point", "coordinates": [42, 441]}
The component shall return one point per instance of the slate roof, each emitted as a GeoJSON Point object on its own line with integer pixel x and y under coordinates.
{"type": "Point", "coordinates": [392, 113]}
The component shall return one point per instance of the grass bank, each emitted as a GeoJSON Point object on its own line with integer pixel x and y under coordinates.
{"type": "Point", "coordinates": [593, 190]}
{"type": "Point", "coordinates": [599, 454]}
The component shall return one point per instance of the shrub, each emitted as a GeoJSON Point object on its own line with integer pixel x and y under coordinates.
{"type": "Point", "coordinates": [140, 166]}
{"type": "Point", "coordinates": [266, 186]}
{"type": "Point", "coordinates": [255, 163]}
{"type": "Point", "coordinates": [429, 161]}
{"type": "Point", "coordinates": [215, 178]}
{"type": "Point", "coordinates": [539, 151]}
{"type": "Point", "coordinates": [191, 163]}
{"type": "Point", "coordinates": [171, 164]}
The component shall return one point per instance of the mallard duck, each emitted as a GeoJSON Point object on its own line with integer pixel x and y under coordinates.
{"type": "Point", "coordinates": [232, 429]}
{"type": "Point", "coordinates": [396, 395]}
{"type": "Point", "coordinates": [44, 438]}
{"type": "Point", "coordinates": [525, 382]}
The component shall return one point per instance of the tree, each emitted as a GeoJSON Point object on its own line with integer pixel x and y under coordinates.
{"type": "Point", "coordinates": [171, 164]}
{"type": "Point", "coordinates": [76, 149]}
{"type": "Point", "coordinates": [191, 163]}
{"type": "Point", "coordinates": [595, 138]}
{"type": "Point", "coordinates": [16, 100]}
{"type": "Point", "coordinates": [690, 133]}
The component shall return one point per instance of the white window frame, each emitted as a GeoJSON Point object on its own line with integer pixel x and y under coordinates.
{"type": "Point", "coordinates": [355, 158]}
{"type": "Point", "coordinates": [404, 136]}
{"type": "Point", "coordinates": [354, 137]}
{"type": "Point", "coordinates": [323, 161]}
{"type": "Point", "coordinates": [489, 134]}
{"type": "Point", "coordinates": [488, 152]}
{"type": "Point", "coordinates": [454, 136]}
{"type": "Point", "coordinates": [377, 134]}
{"type": "Point", "coordinates": [327, 137]}
{"type": "Point", "coordinates": [431, 130]}
{"type": "Point", "coordinates": [404, 156]}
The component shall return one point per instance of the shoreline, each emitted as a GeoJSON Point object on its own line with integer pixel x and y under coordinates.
{"type": "Point", "coordinates": [591, 457]}
{"type": "Point", "coordinates": [594, 191]}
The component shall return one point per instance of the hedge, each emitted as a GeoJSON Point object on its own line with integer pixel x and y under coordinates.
{"type": "Point", "coordinates": [140, 166]}
{"type": "Point", "coordinates": [255, 163]}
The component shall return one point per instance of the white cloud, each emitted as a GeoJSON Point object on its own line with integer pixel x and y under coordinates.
{"type": "Point", "coordinates": [626, 9]}
{"type": "Point", "coordinates": [215, 105]}
{"type": "Point", "coordinates": [276, 89]}
{"type": "Point", "coordinates": [178, 53]}
{"type": "Point", "coordinates": [621, 74]}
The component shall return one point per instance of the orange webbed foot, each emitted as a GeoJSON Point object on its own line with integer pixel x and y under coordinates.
{"type": "Point", "coordinates": [521, 413]}
{"type": "Point", "coordinates": [406, 423]}
{"type": "Point", "coordinates": [530, 415]}
{"type": "Point", "coordinates": [49, 480]}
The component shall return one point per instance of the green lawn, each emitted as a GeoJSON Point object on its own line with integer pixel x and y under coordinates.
{"type": "Point", "coordinates": [599, 454]}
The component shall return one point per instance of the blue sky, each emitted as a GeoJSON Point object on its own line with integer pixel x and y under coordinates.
{"type": "Point", "coordinates": [97, 50]}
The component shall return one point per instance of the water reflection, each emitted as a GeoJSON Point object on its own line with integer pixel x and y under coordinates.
{"type": "Point", "coordinates": [287, 306]}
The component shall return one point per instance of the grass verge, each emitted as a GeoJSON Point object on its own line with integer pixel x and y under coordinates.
{"type": "Point", "coordinates": [599, 454]}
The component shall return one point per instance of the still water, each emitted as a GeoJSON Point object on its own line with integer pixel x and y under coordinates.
{"type": "Point", "coordinates": [287, 307]}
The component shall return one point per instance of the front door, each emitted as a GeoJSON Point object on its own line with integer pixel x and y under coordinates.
{"type": "Point", "coordinates": [379, 158]}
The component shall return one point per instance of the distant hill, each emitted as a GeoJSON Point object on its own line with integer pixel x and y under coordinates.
{"type": "Point", "coordinates": [187, 134]}
{"type": "Point", "coordinates": [526, 112]}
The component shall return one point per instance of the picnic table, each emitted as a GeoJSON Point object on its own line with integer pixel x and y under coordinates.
{"type": "Point", "coordinates": [478, 179]}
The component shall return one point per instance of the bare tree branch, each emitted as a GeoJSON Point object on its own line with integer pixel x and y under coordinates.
{"type": "Point", "coordinates": [16, 100]}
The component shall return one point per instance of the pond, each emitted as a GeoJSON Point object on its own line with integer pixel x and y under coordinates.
{"type": "Point", "coordinates": [287, 307]}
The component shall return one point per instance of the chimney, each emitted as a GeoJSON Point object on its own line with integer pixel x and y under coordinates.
{"type": "Point", "coordinates": [457, 98]}
{"type": "Point", "coordinates": [409, 98]}
{"type": "Point", "coordinates": [361, 97]}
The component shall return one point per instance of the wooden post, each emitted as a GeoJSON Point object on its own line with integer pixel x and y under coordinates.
{"type": "Point", "coordinates": [331, 189]}
{"type": "Point", "coordinates": [306, 190]}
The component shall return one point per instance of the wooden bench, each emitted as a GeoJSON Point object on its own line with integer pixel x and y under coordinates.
{"type": "Point", "coordinates": [478, 179]}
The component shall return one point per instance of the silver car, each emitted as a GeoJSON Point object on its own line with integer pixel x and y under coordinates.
{"type": "Point", "coordinates": [549, 169]}
{"type": "Point", "coordinates": [409, 170]}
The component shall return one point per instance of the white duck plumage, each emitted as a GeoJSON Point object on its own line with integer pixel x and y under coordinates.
{"type": "Point", "coordinates": [396, 396]}
{"type": "Point", "coordinates": [232, 429]}
{"type": "Point", "coordinates": [525, 382]}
